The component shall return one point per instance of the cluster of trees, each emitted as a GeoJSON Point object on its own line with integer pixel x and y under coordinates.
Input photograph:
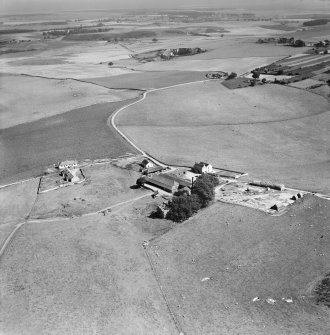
{"type": "Point", "coordinates": [184, 205]}
{"type": "Point", "coordinates": [283, 40]}
{"type": "Point", "coordinates": [317, 22]}
{"type": "Point", "coordinates": [292, 42]}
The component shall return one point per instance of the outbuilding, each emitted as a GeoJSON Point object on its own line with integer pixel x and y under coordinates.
{"type": "Point", "coordinates": [68, 164]}
{"type": "Point", "coordinates": [164, 182]}
{"type": "Point", "coordinates": [147, 164]}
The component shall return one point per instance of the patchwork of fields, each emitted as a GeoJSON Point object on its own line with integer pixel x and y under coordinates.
{"type": "Point", "coordinates": [229, 269]}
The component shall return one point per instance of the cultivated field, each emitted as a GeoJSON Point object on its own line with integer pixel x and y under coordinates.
{"type": "Point", "coordinates": [239, 65]}
{"type": "Point", "coordinates": [211, 274]}
{"type": "Point", "coordinates": [148, 80]}
{"type": "Point", "coordinates": [67, 60]}
{"type": "Point", "coordinates": [83, 276]}
{"type": "Point", "coordinates": [105, 186]}
{"type": "Point", "coordinates": [26, 99]}
{"type": "Point", "coordinates": [29, 148]}
{"type": "Point", "coordinates": [268, 131]}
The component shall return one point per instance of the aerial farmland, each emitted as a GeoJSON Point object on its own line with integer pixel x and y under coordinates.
{"type": "Point", "coordinates": [165, 170]}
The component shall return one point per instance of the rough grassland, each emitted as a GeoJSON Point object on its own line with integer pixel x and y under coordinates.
{"type": "Point", "coordinates": [26, 99]}
{"type": "Point", "coordinates": [105, 186]}
{"type": "Point", "coordinates": [27, 149]}
{"type": "Point", "coordinates": [247, 254]}
{"type": "Point", "coordinates": [267, 131]}
{"type": "Point", "coordinates": [16, 202]}
{"type": "Point", "coordinates": [83, 276]}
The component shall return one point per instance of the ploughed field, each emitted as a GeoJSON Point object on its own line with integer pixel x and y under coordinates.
{"type": "Point", "coordinates": [28, 148]}
{"type": "Point", "coordinates": [271, 131]}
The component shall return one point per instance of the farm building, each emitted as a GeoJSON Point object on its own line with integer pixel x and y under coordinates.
{"type": "Point", "coordinates": [202, 167]}
{"type": "Point", "coordinates": [71, 175]}
{"type": "Point", "coordinates": [69, 164]}
{"type": "Point", "coordinates": [164, 182]}
{"type": "Point", "coordinates": [147, 164]}
{"type": "Point", "coordinates": [153, 169]}
{"type": "Point", "coordinates": [182, 182]}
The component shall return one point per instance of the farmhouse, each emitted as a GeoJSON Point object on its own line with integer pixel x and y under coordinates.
{"type": "Point", "coordinates": [67, 164]}
{"type": "Point", "coordinates": [147, 164]}
{"type": "Point", "coordinates": [71, 175]}
{"type": "Point", "coordinates": [202, 167]}
{"type": "Point", "coordinates": [164, 182]}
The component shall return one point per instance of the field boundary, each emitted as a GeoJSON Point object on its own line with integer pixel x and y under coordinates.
{"type": "Point", "coordinates": [153, 269]}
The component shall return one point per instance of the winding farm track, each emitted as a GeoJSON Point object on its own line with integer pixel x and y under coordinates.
{"type": "Point", "coordinates": [111, 119]}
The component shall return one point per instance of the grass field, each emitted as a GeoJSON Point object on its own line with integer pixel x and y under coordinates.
{"type": "Point", "coordinates": [83, 133]}
{"type": "Point", "coordinates": [105, 186]}
{"type": "Point", "coordinates": [211, 274]}
{"type": "Point", "coordinates": [16, 202]}
{"type": "Point", "coordinates": [26, 99]}
{"type": "Point", "coordinates": [81, 276]}
{"type": "Point", "coordinates": [268, 131]}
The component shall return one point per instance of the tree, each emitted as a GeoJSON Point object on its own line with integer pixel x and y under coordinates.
{"type": "Point", "coordinates": [263, 80]}
{"type": "Point", "coordinates": [141, 181]}
{"type": "Point", "coordinates": [255, 75]}
{"type": "Point", "coordinates": [204, 188]}
{"type": "Point", "coordinates": [180, 209]}
{"type": "Point", "coordinates": [154, 39]}
{"type": "Point", "coordinates": [233, 75]}
{"type": "Point", "coordinates": [299, 43]}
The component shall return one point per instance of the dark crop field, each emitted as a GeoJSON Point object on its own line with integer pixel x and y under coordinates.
{"type": "Point", "coordinates": [146, 80]}
{"type": "Point", "coordinates": [27, 149]}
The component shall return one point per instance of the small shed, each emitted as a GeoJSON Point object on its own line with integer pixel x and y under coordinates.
{"type": "Point", "coordinates": [147, 164]}
{"type": "Point", "coordinates": [202, 167]}
{"type": "Point", "coordinates": [68, 164]}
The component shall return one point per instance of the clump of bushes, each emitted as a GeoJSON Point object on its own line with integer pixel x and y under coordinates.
{"type": "Point", "coordinates": [183, 205]}
{"type": "Point", "coordinates": [322, 291]}
{"type": "Point", "coordinates": [233, 75]}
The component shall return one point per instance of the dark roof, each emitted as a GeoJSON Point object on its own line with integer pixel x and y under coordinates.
{"type": "Point", "coordinates": [201, 164]}
{"type": "Point", "coordinates": [181, 181]}
{"type": "Point", "coordinates": [162, 180]}
{"type": "Point", "coordinates": [155, 169]}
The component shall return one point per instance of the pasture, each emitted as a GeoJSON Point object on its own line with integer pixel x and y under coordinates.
{"type": "Point", "coordinates": [105, 186]}
{"type": "Point", "coordinates": [16, 202]}
{"type": "Point", "coordinates": [81, 276]}
{"type": "Point", "coordinates": [214, 265]}
{"type": "Point", "coordinates": [268, 131]}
